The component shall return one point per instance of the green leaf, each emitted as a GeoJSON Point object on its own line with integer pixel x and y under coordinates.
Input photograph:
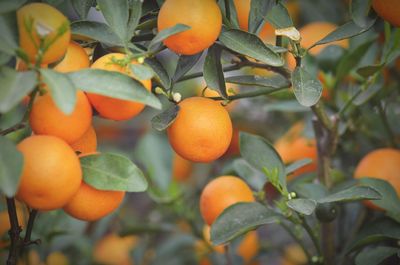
{"type": "Point", "coordinates": [14, 87]}
{"type": "Point", "coordinates": [134, 16]}
{"type": "Point", "coordinates": [62, 89]}
{"type": "Point", "coordinates": [276, 81]}
{"type": "Point", "coordinates": [285, 106]}
{"type": "Point", "coordinates": [279, 17]}
{"type": "Point", "coordinates": [96, 31]}
{"type": "Point", "coordinates": [166, 196]}
{"type": "Point", "coordinates": [307, 89]}
{"type": "Point", "coordinates": [11, 165]}
{"type": "Point", "coordinates": [141, 72]}
{"type": "Point", "coordinates": [108, 171]}
{"type": "Point", "coordinates": [163, 120]}
{"type": "Point", "coordinates": [155, 154]}
{"type": "Point", "coordinates": [9, 33]}
{"type": "Point", "coordinates": [185, 63]}
{"type": "Point", "coordinates": [370, 92]}
{"type": "Point", "coordinates": [303, 206]}
{"type": "Point", "coordinates": [359, 10]}
{"type": "Point", "coordinates": [233, 22]}
{"type": "Point", "coordinates": [250, 45]}
{"type": "Point", "coordinates": [375, 255]}
{"type": "Point", "coordinates": [162, 35]}
{"type": "Point", "coordinates": [113, 84]}
{"type": "Point", "coordinates": [238, 219]}
{"type": "Point", "coordinates": [82, 7]}
{"type": "Point", "coordinates": [7, 6]}
{"type": "Point", "coordinates": [355, 193]}
{"type": "Point", "coordinates": [254, 177]}
{"type": "Point", "coordinates": [161, 75]}
{"type": "Point", "coordinates": [296, 165]}
{"type": "Point", "coordinates": [369, 70]}
{"type": "Point", "coordinates": [313, 191]}
{"type": "Point", "coordinates": [261, 154]}
{"type": "Point", "coordinates": [258, 9]}
{"type": "Point", "coordinates": [116, 13]}
{"type": "Point", "coordinates": [348, 30]}
{"type": "Point", "coordinates": [4, 58]}
{"type": "Point", "coordinates": [212, 70]}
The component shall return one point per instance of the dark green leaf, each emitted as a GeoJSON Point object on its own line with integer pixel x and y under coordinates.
{"type": "Point", "coordinates": [97, 31]}
{"type": "Point", "coordinates": [108, 171]}
{"type": "Point", "coordinates": [11, 165]}
{"type": "Point", "coordinates": [303, 206]}
{"type": "Point", "coordinates": [185, 63]}
{"type": "Point", "coordinates": [14, 87]}
{"type": "Point", "coordinates": [369, 70]}
{"type": "Point", "coordinates": [9, 33]}
{"type": "Point", "coordinates": [141, 72]}
{"type": "Point", "coordinates": [82, 7]}
{"type": "Point", "coordinates": [161, 75]}
{"type": "Point", "coordinates": [276, 81]}
{"type": "Point", "coordinates": [134, 16]}
{"type": "Point", "coordinates": [296, 165]}
{"type": "Point", "coordinates": [162, 35]}
{"type": "Point", "coordinates": [307, 89]}
{"type": "Point", "coordinates": [10, 5]}
{"type": "Point", "coordinates": [369, 93]}
{"type": "Point", "coordinates": [62, 89]}
{"type": "Point", "coordinates": [4, 58]}
{"type": "Point", "coordinates": [279, 17]}
{"type": "Point", "coordinates": [286, 106]}
{"type": "Point", "coordinates": [213, 73]}
{"type": "Point", "coordinates": [359, 11]}
{"type": "Point", "coordinates": [375, 255]}
{"type": "Point", "coordinates": [250, 45]}
{"type": "Point", "coordinates": [313, 191]}
{"type": "Point", "coordinates": [163, 120]}
{"type": "Point", "coordinates": [113, 84]}
{"type": "Point", "coordinates": [233, 21]}
{"type": "Point", "coordinates": [116, 13]}
{"type": "Point", "coordinates": [354, 193]}
{"type": "Point", "coordinates": [254, 177]}
{"type": "Point", "coordinates": [239, 219]}
{"type": "Point", "coordinates": [258, 9]}
{"type": "Point", "coordinates": [261, 154]}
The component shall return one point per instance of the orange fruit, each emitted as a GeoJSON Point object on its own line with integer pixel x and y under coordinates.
{"type": "Point", "coordinates": [75, 59]}
{"type": "Point", "coordinates": [231, 90]}
{"type": "Point", "coordinates": [383, 164]}
{"type": "Point", "coordinates": [45, 118]}
{"type": "Point", "coordinates": [293, 146]}
{"type": "Point", "coordinates": [202, 130]}
{"type": "Point", "coordinates": [87, 143]}
{"type": "Point", "coordinates": [220, 193]}
{"type": "Point", "coordinates": [57, 258]}
{"type": "Point", "coordinates": [113, 108]}
{"type": "Point", "coordinates": [389, 10]}
{"type": "Point", "coordinates": [41, 21]}
{"type": "Point", "coordinates": [114, 250]}
{"type": "Point", "coordinates": [51, 173]}
{"type": "Point", "coordinates": [90, 204]}
{"type": "Point", "coordinates": [203, 17]}
{"type": "Point", "coordinates": [181, 168]}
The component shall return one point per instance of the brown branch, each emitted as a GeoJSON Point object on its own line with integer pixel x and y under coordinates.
{"type": "Point", "coordinates": [14, 232]}
{"type": "Point", "coordinates": [27, 240]}
{"type": "Point", "coordinates": [14, 128]}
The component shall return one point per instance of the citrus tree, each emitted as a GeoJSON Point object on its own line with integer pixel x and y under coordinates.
{"type": "Point", "coordinates": [230, 132]}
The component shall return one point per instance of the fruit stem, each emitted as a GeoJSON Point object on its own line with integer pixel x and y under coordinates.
{"type": "Point", "coordinates": [14, 232]}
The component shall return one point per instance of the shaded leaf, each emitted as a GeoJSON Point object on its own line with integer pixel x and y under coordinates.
{"type": "Point", "coordinates": [135, 7]}
{"type": "Point", "coordinates": [279, 17]}
{"type": "Point", "coordinates": [286, 106]}
{"type": "Point", "coordinates": [375, 256]}
{"type": "Point", "coordinates": [163, 120]}
{"type": "Point", "coordinates": [303, 206]}
{"type": "Point", "coordinates": [359, 10]}
{"type": "Point", "coordinates": [276, 81]}
{"type": "Point", "coordinates": [10, 5]}
{"type": "Point", "coordinates": [162, 35]}
{"type": "Point", "coordinates": [185, 63]}
{"type": "Point", "coordinates": [116, 13]}
{"type": "Point", "coordinates": [254, 177]}
{"type": "Point", "coordinates": [11, 165]}
{"type": "Point", "coordinates": [141, 72]}
{"type": "Point", "coordinates": [213, 73]}
{"type": "Point", "coordinates": [369, 70]}
{"type": "Point", "coordinates": [307, 89]}
{"type": "Point", "coordinates": [369, 93]}
{"type": "Point", "coordinates": [161, 75]}
{"type": "Point", "coordinates": [82, 7]}
{"type": "Point", "coordinates": [354, 193]}
{"type": "Point", "coordinates": [296, 165]}
{"type": "Point", "coordinates": [9, 33]}
{"type": "Point", "coordinates": [258, 9]}
{"type": "Point", "coordinates": [313, 191]}
{"type": "Point", "coordinates": [96, 31]}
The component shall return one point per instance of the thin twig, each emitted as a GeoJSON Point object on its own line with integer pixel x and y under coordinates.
{"type": "Point", "coordinates": [13, 128]}
{"type": "Point", "coordinates": [32, 215]}
{"type": "Point", "coordinates": [14, 232]}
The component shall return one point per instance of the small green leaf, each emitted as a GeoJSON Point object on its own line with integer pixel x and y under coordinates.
{"type": "Point", "coordinates": [307, 89]}
{"type": "Point", "coordinates": [375, 256]}
{"type": "Point", "coordinates": [303, 206]}
{"type": "Point", "coordinates": [62, 89]}
{"type": "Point", "coordinates": [296, 165]}
{"type": "Point", "coordinates": [359, 12]}
{"type": "Point", "coordinates": [161, 75]}
{"type": "Point", "coordinates": [113, 84]}
{"type": "Point", "coordinates": [141, 72]}
{"type": "Point", "coordinates": [250, 45]}
{"type": "Point", "coordinates": [108, 171]}
{"type": "Point", "coordinates": [163, 120]}
{"type": "Point", "coordinates": [162, 35]}
{"type": "Point", "coordinates": [355, 193]}
{"type": "Point", "coordinates": [11, 165]}
{"type": "Point", "coordinates": [96, 31]}
{"type": "Point", "coordinates": [185, 63]}
{"type": "Point", "coordinates": [279, 17]}
{"type": "Point", "coordinates": [116, 13]}
{"type": "Point", "coordinates": [254, 177]}
{"type": "Point", "coordinates": [258, 9]}
{"type": "Point", "coordinates": [369, 70]}
{"type": "Point", "coordinates": [82, 7]}
{"type": "Point", "coordinates": [165, 196]}
{"type": "Point", "coordinates": [9, 33]}
{"type": "Point", "coordinates": [14, 87]}
{"type": "Point", "coordinates": [134, 16]}
{"type": "Point", "coordinates": [276, 81]}
{"type": "Point", "coordinates": [7, 6]}
{"type": "Point", "coordinates": [238, 219]}
{"type": "Point", "coordinates": [213, 73]}
{"type": "Point", "coordinates": [370, 92]}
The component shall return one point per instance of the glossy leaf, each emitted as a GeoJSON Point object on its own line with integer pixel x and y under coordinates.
{"type": "Point", "coordinates": [375, 256]}
{"type": "Point", "coordinates": [134, 16]}
{"type": "Point", "coordinates": [161, 75]}
{"type": "Point", "coordinates": [254, 177]}
{"type": "Point", "coordinates": [370, 92]}
{"type": "Point", "coordinates": [7, 6]}
{"type": "Point", "coordinates": [96, 31]}
{"type": "Point", "coordinates": [354, 193]}
{"type": "Point", "coordinates": [62, 89]}
{"type": "Point", "coordinates": [185, 64]}
{"type": "Point", "coordinates": [303, 206]}
{"type": "Point", "coordinates": [213, 73]}
{"type": "Point", "coordinates": [250, 45]}
{"type": "Point", "coordinates": [14, 87]}
{"type": "Point", "coordinates": [108, 171]}
{"type": "Point", "coordinates": [9, 33]}
{"type": "Point", "coordinates": [162, 35]}
{"type": "Point", "coordinates": [141, 72]}
{"type": "Point", "coordinates": [116, 13]}
{"type": "Point", "coordinates": [296, 165]}
{"type": "Point", "coordinates": [313, 191]}
{"type": "Point", "coordinates": [113, 84]}
{"type": "Point", "coordinates": [307, 89]}
{"type": "Point", "coordinates": [232, 22]}
{"type": "Point", "coordinates": [279, 17]}
{"type": "Point", "coordinates": [276, 81]}
{"type": "Point", "coordinates": [163, 120]}
{"type": "Point", "coordinates": [258, 9]}
{"type": "Point", "coordinates": [11, 165]}
{"type": "Point", "coordinates": [359, 11]}
{"type": "Point", "coordinates": [239, 219]}
{"type": "Point", "coordinates": [82, 7]}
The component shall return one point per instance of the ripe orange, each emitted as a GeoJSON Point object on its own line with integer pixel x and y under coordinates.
{"type": "Point", "coordinates": [221, 193]}
{"type": "Point", "coordinates": [231, 90]}
{"type": "Point", "coordinates": [75, 59]}
{"type": "Point", "coordinates": [45, 118]}
{"type": "Point", "coordinates": [181, 168]}
{"type": "Point", "coordinates": [87, 143]}
{"type": "Point", "coordinates": [383, 164]}
{"type": "Point", "coordinates": [114, 250]}
{"type": "Point", "coordinates": [389, 10]}
{"type": "Point", "coordinates": [38, 20]}
{"type": "Point", "coordinates": [51, 174]}
{"type": "Point", "coordinates": [90, 204]}
{"type": "Point", "coordinates": [293, 146]}
{"type": "Point", "coordinates": [202, 130]}
{"type": "Point", "coordinates": [204, 17]}
{"type": "Point", "coordinates": [112, 108]}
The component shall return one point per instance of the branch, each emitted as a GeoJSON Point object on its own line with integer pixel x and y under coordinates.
{"type": "Point", "coordinates": [14, 232]}
{"type": "Point", "coordinates": [251, 94]}
{"type": "Point", "coordinates": [27, 240]}
{"type": "Point", "coordinates": [14, 128]}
